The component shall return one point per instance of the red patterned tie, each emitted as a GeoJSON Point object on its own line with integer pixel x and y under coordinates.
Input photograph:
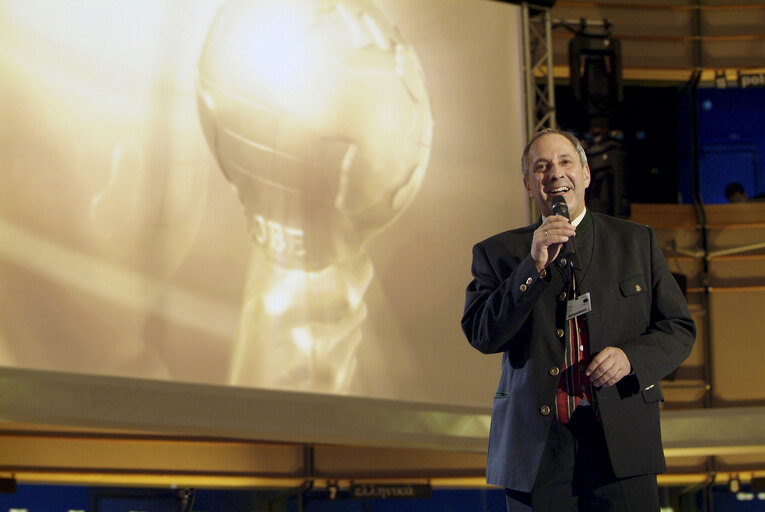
{"type": "Point", "coordinates": [574, 387]}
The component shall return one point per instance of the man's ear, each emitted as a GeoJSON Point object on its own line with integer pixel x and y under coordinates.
{"type": "Point", "coordinates": [586, 175]}
{"type": "Point", "coordinates": [526, 186]}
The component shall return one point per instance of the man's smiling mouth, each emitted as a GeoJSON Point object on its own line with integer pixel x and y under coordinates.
{"type": "Point", "coordinates": [558, 190]}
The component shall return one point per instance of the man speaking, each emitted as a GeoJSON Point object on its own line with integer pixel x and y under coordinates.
{"type": "Point", "coordinates": [588, 319]}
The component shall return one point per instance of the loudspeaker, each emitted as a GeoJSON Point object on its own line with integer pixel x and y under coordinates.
{"type": "Point", "coordinates": [607, 192]}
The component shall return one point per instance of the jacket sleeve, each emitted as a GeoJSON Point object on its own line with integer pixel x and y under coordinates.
{"type": "Point", "coordinates": [499, 299]}
{"type": "Point", "coordinates": [668, 340]}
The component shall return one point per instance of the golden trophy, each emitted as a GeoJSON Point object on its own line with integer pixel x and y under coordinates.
{"type": "Point", "coordinates": [317, 113]}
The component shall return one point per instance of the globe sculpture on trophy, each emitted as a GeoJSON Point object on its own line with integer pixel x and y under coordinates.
{"type": "Point", "coordinates": [317, 113]}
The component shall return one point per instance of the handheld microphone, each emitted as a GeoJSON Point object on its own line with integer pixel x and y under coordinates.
{"type": "Point", "coordinates": [559, 207]}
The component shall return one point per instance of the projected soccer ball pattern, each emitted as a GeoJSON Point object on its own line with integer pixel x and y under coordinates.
{"type": "Point", "coordinates": [317, 113]}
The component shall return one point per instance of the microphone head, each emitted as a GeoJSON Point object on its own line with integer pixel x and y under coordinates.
{"type": "Point", "coordinates": [559, 206]}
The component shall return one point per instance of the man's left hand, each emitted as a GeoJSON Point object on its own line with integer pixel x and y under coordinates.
{"type": "Point", "coordinates": [608, 367]}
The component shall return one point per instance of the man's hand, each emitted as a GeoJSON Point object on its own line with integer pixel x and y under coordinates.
{"type": "Point", "coordinates": [549, 238]}
{"type": "Point", "coordinates": [608, 367]}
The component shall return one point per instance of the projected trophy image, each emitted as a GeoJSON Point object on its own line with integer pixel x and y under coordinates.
{"type": "Point", "coordinates": [317, 113]}
{"type": "Point", "coordinates": [103, 185]}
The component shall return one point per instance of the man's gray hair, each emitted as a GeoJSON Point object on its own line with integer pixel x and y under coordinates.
{"type": "Point", "coordinates": [574, 141]}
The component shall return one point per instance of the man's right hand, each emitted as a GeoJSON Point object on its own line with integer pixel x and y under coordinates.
{"type": "Point", "coordinates": [549, 238]}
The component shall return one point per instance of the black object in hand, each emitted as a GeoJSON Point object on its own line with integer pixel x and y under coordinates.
{"type": "Point", "coordinates": [559, 207]}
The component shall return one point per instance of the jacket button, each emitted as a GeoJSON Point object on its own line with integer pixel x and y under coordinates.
{"type": "Point", "coordinates": [560, 332]}
{"type": "Point", "coordinates": [638, 288]}
{"type": "Point", "coordinates": [522, 288]}
{"type": "Point", "coordinates": [554, 371]}
{"type": "Point", "coordinates": [562, 296]}
{"type": "Point", "coordinates": [563, 262]}
{"type": "Point", "coordinates": [545, 410]}
{"type": "Point", "coordinates": [529, 281]}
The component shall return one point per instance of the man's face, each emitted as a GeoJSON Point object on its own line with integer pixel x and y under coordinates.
{"type": "Point", "coordinates": [555, 170]}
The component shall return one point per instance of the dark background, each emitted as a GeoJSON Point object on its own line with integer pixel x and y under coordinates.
{"type": "Point", "coordinates": [657, 124]}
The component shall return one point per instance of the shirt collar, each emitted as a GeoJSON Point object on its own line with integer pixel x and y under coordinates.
{"type": "Point", "coordinates": [577, 220]}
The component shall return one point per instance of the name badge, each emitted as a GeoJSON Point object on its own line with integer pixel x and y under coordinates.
{"type": "Point", "coordinates": [578, 306]}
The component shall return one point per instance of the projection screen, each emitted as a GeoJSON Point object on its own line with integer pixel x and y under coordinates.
{"type": "Point", "coordinates": [279, 195]}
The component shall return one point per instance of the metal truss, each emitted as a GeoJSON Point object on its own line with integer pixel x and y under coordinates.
{"type": "Point", "coordinates": [539, 95]}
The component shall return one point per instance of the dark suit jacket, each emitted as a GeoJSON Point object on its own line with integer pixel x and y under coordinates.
{"type": "Point", "coordinates": [636, 306]}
